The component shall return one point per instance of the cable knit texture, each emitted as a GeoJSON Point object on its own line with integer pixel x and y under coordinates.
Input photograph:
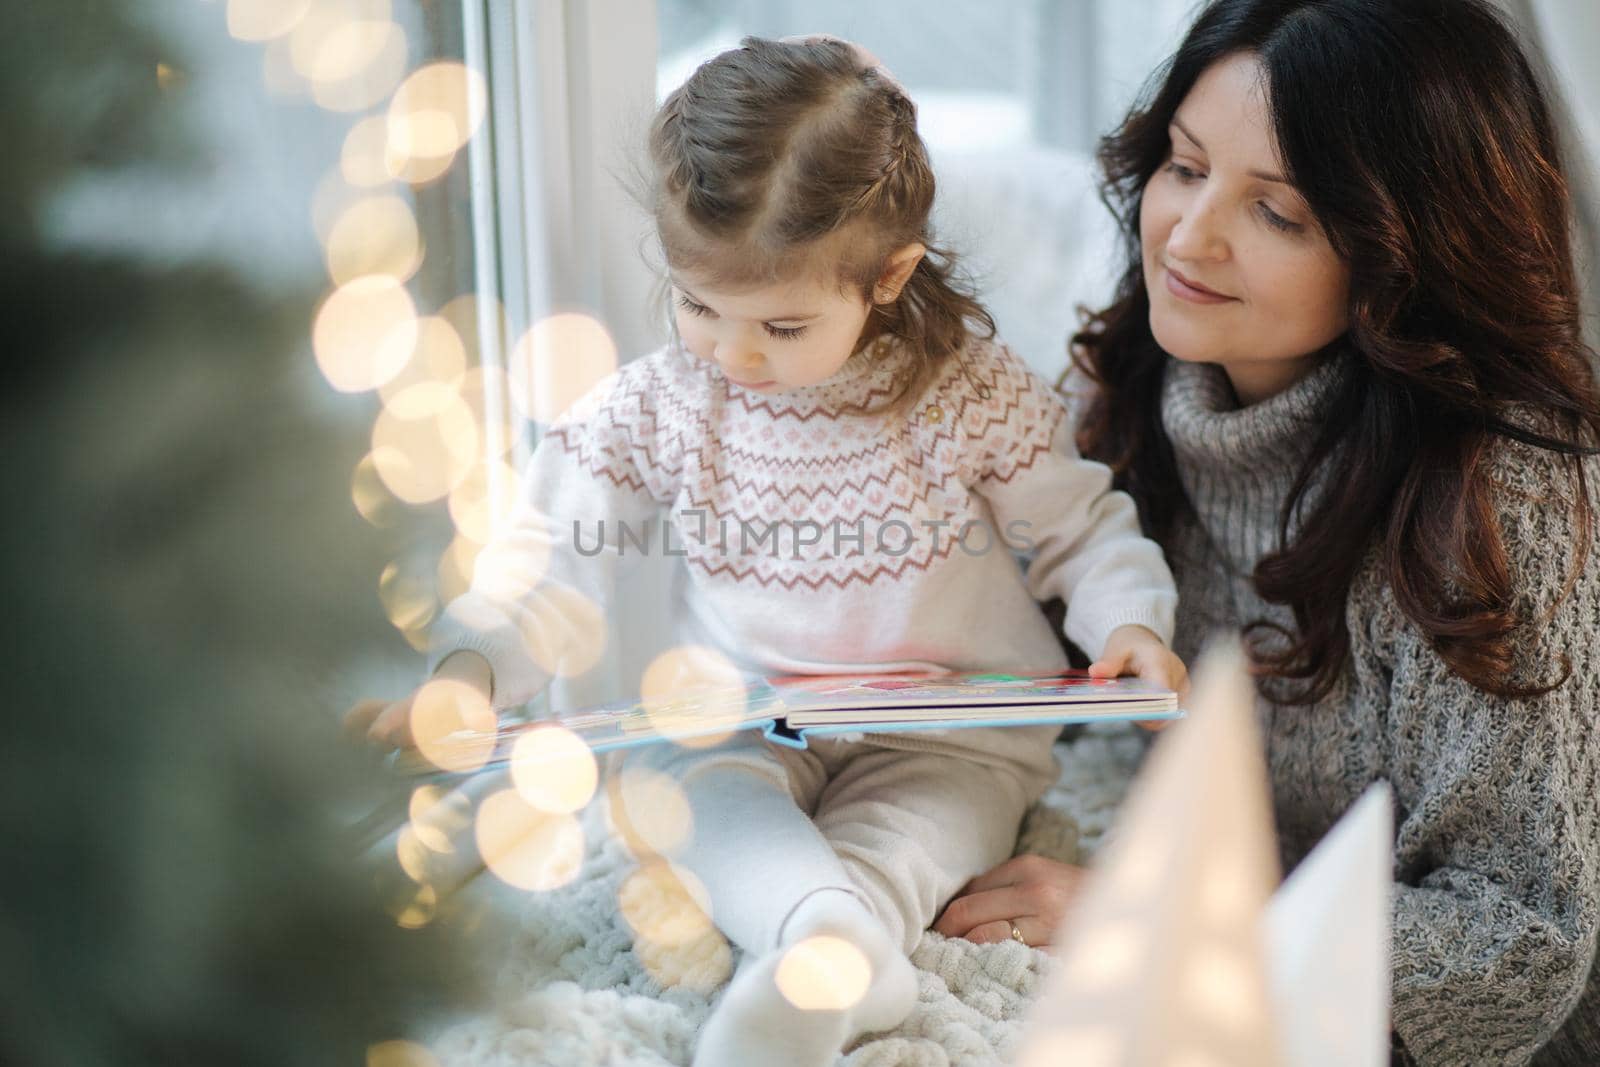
{"type": "Point", "coordinates": [1497, 857]}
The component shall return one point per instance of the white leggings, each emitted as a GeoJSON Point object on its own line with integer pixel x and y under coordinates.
{"type": "Point", "coordinates": [903, 830]}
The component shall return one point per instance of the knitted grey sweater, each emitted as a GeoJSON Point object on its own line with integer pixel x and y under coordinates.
{"type": "Point", "coordinates": [1497, 856]}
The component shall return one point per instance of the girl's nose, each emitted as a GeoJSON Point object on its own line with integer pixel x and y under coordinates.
{"type": "Point", "coordinates": [737, 354]}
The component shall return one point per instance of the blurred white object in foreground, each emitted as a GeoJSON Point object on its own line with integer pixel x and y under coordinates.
{"type": "Point", "coordinates": [1177, 951]}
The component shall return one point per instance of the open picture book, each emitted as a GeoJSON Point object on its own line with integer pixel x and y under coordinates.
{"type": "Point", "coordinates": [789, 709]}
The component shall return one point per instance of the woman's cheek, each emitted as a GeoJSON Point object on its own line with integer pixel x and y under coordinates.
{"type": "Point", "coordinates": [1336, 294]}
{"type": "Point", "coordinates": [1150, 207]}
{"type": "Point", "coordinates": [1300, 295]}
{"type": "Point", "coordinates": [1159, 211]}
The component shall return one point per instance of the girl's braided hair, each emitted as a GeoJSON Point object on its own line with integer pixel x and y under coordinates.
{"type": "Point", "coordinates": [792, 159]}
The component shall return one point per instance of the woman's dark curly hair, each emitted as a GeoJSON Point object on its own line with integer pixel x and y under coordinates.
{"type": "Point", "coordinates": [1421, 139]}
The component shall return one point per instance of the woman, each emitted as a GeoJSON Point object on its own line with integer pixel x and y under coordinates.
{"type": "Point", "coordinates": [1343, 379]}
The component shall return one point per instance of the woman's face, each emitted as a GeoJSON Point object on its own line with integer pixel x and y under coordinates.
{"type": "Point", "coordinates": [1238, 271]}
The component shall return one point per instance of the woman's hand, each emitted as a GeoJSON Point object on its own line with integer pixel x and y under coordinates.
{"type": "Point", "coordinates": [1028, 894]}
{"type": "Point", "coordinates": [388, 723]}
{"type": "Point", "coordinates": [1138, 651]}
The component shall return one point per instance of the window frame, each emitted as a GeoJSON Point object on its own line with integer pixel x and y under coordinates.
{"type": "Point", "coordinates": [554, 229]}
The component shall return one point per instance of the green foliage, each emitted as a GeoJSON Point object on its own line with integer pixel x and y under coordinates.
{"type": "Point", "coordinates": [184, 582]}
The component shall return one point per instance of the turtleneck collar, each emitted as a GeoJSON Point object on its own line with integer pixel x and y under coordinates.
{"type": "Point", "coordinates": [1208, 428]}
{"type": "Point", "coordinates": [1238, 464]}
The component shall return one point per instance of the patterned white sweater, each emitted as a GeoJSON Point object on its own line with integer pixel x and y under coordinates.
{"type": "Point", "coordinates": [817, 540]}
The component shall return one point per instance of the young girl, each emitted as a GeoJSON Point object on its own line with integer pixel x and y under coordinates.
{"type": "Point", "coordinates": [849, 460]}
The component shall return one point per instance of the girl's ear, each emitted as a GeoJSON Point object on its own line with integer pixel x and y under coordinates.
{"type": "Point", "coordinates": [897, 270]}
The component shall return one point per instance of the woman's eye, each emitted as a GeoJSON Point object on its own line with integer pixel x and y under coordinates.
{"type": "Point", "coordinates": [691, 307]}
{"type": "Point", "coordinates": [1277, 221]}
{"type": "Point", "coordinates": [1183, 173]}
{"type": "Point", "coordinates": [784, 333]}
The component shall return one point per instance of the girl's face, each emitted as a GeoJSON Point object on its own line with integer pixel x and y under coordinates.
{"type": "Point", "coordinates": [1238, 272]}
{"type": "Point", "coordinates": [772, 338]}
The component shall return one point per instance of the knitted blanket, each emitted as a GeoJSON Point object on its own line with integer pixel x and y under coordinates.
{"type": "Point", "coordinates": [570, 990]}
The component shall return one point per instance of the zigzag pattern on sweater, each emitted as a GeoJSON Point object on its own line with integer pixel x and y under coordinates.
{"type": "Point", "coordinates": [670, 426]}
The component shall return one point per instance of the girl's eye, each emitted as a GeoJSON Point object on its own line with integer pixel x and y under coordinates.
{"type": "Point", "coordinates": [784, 333]}
{"type": "Point", "coordinates": [1277, 221]}
{"type": "Point", "coordinates": [1183, 173]}
{"type": "Point", "coordinates": [691, 307]}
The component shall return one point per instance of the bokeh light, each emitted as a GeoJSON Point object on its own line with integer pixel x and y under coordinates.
{"type": "Point", "coordinates": [823, 973]}
{"type": "Point", "coordinates": [700, 965]}
{"type": "Point", "coordinates": [567, 636]}
{"type": "Point", "coordinates": [376, 235]}
{"type": "Point", "coordinates": [476, 387]}
{"type": "Point", "coordinates": [412, 854]}
{"type": "Point", "coordinates": [361, 157]}
{"type": "Point", "coordinates": [263, 20]}
{"type": "Point", "coordinates": [372, 83]}
{"type": "Point", "coordinates": [438, 817]}
{"type": "Point", "coordinates": [665, 904]}
{"type": "Point", "coordinates": [400, 1054]}
{"type": "Point", "coordinates": [436, 111]}
{"type": "Point", "coordinates": [487, 489]}
{"type": "Point", "coordinates": [675, 940]}
{"type": "Point", "coordinates": [525, 847]}
{"type": "Point", "coordinates": [456, 567]}
{"type": "Point", "coordinates": [423, 800]}
{"type": "Point", "coordinates": [480, 322]}
{"type": "Point", "coordinates": [424, 442]}
{"type": "Point", "coordinates": [553, 769]}
{"type": "Point", "coordinates": [556, 362]}
{"type": "Point", "coordinates": [413, 171]}
{"type": "Point", "coordinates": [375, 503]}
{"type": "Point", "coordinates": [337, 39]}
{"type": "Point", "coordinates": [473, 315]}
{"type": "Point", "coordinates": [649, 811]}
{"type": "Point", "coordinates": [407, 594]}
{"type": "Point", "coordinates": [438, 358]}
{"type": "Point", "coordinates": [693, 694]}
{"type": "Point", "coordinates": [448, 721]}
{"type": "Point", "coordinates": [509, 570]}
{"type": "Point", "coordinates": [364, 333]}
{"type": "Point", "coordinates": [419, 910]}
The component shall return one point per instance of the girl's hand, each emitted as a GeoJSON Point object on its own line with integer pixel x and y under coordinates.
{"type": "Point", "coordinates": [1137, 650]}
{"type": "Point", "coordinates": [1028, 894]}
{"type": "Point", "coordinates": [388, 723]}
